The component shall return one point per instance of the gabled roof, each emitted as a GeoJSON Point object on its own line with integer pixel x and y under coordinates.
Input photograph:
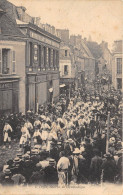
{"type": "Point", "coordinates": [9, 27]}
{"type": "Point", "coordinates": [87, 50]}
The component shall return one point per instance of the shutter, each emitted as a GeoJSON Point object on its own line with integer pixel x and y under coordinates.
{"type": "Point", "coordinates": [0, 60]}
{"type": "Point", "coordinates": [13, 62]}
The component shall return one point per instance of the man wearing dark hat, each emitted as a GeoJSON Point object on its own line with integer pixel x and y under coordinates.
{"type": "Point", "coordinates": [17, 177]}
{"type": "Point", "coordinates": [51, 175]}
{"type": "Point", "coordinates": [38, 176]}
{"type": "Point", "coordinates": [54, 150]}
{"type": "Point", "coordinates": [109, 168]}
{"type": "Point", "coordinates": [95, 167]}
{"type": "Point", "coordinates": [7, 178]}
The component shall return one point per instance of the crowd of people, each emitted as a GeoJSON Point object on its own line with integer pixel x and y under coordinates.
{"type": "Point", "coordinates": [77, 140]}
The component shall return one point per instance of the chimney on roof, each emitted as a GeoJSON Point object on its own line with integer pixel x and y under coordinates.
{"type": "Point", "coordinates": [21, 11]}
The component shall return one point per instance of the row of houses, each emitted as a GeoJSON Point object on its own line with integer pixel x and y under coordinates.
{"type": "Point", "coordinates": [36, 60]}
{"type": "Point", "coordinates": [77, 63]}
{"type": "Point", "coordinates": [108, 63]}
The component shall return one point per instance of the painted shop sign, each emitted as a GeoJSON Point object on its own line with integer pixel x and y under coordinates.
{"type": "Point", "coordinates": [5, 85]}
{"type": "Point", "coordinates": [43, 39]}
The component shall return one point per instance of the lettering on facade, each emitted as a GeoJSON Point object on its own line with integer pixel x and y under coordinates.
{"type": "Point", "coordinates": [43, 39]}
{"type": "Point", "coordinates": [5, 85]}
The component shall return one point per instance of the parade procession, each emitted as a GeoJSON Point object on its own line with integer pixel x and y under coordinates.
{"type": "Point", "coordinates": [60, 95]}
{"type": "Point", "coordinates": [66, 144]}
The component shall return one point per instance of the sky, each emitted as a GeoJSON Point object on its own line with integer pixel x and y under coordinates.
{"type": "Point", "coordinates": [100, 19]}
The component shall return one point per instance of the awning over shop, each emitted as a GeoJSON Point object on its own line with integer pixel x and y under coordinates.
{"type": "Point", "coordinates": [63, 85]}
{"type": "Point", "coordinates": [51, 90]}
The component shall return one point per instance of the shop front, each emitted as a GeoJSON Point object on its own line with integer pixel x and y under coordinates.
{"type": "Point", "coordinates": [9, 93]}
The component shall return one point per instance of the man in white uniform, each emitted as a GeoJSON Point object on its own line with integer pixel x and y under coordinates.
{"type": "Point", "coordinates": [7, 130]}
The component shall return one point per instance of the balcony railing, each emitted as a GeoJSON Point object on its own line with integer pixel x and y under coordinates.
{"type": "Point", "coordinates": [36, 69]}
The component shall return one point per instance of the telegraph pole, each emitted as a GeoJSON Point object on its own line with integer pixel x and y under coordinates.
{"type": "Point", "coordinates": [107, 141]}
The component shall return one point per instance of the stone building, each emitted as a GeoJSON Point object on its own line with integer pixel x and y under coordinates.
{"type": "Point", "coordinates": [30, 57]}
{"type": "Point", "coordinates": [12, 65]}
{"type": "Point", "coordinates": [76, 61]}
{"type": "Point", "coordinates": [105, 61]}
{"type": "Point", "coordinates": [117, 65]}
{"type": "Point", "coordinates": [67, 66]}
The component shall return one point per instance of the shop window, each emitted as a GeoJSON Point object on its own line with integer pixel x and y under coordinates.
{"type": "Point", "coordinates": [119, 83]}
{"type": "Point", "coordinates": [65, 69]}
{"type": "Point", "coordinates": [119, 65]}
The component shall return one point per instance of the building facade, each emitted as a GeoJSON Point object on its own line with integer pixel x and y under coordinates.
{"type": "Point", "coordinates": [29, 60]}
{"type": "Point", "coordinates": [42, 60]}
{"type": "Point", "coordinates": [67, 67]}
{"type": "Point", "coordinates": [12, 66]}
{"type": "Point", "coordinates": [42, 66]}
{"type": "Point", "coordinates": [105, 61]}
{"type": "Point", "coordinates": [117, 65]}
{"type": "Point", "coordinates": [76, 61]}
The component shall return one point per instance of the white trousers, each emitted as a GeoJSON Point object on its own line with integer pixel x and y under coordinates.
{"type": "Point", "coordinates": [6, 137]}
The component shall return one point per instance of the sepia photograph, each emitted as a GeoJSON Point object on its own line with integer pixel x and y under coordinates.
{"type": "Point", "coordinates": [61, 93]}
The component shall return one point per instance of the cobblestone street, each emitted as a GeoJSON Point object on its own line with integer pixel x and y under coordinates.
{"type": "Point", "coordinates": [8, 153]}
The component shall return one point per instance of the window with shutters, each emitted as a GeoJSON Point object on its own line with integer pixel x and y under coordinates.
{"type": "Point", "coordinates": [13, 62]}
{"type": "Point", "coordinates": [5, 61]}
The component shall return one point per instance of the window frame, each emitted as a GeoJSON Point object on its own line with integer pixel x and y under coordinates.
{"type": "Point", "coordinates": [14, 61]}
{"type": "Point", "coordinates": [119, 65]}
{"type": "Point", "coordinates": [66, 71]}
{"type": "Point", "coordinates": [66, 53]}
{"type": "Point", "coordinates": [4, 46]}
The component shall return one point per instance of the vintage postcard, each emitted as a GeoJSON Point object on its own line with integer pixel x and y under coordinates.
{"type": "Point", "coordinates": [61, 97]}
